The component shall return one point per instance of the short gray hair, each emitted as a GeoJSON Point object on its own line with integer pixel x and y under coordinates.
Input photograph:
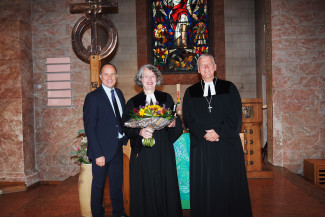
{"type": "Point", "coordinates": [205, 55]}
{"type": "Point", "coordinates": [154, 69]}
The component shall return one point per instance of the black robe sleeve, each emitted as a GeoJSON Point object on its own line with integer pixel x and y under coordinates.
{"type": "Point", "coordinates": [174, 132]}
{"type": "Point", "coordinates": [231, 124]}
{"type": "Point", "coordinates": [197, 130]}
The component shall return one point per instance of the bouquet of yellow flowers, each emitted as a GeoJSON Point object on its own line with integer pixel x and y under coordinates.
{"type": "Point", "coordinates": [152, 116]}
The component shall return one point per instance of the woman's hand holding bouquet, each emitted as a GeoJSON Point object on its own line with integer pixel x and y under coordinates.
{"type": "Point", "coordinates": [150, 118]}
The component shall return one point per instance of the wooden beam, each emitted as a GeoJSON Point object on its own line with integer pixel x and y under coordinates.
{"type": "Point", "coordinates": [94, 71]}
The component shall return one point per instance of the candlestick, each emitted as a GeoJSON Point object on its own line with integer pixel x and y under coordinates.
{"type": "Point", "coordinates": [178, 90]}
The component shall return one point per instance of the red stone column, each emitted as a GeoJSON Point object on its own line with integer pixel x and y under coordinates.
{"type": "Point", "coordinates": [17, 155]}
{"type": "Point", "coordinates": [298, 80]}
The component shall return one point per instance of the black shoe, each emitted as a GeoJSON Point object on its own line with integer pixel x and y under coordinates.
{"type": "Point", "coordinates": [124, 215]}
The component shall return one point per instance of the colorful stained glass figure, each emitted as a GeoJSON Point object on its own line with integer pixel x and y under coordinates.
{"type": "Point", "coordinates": [180, 60]}
{"type": "Point", "coordinates": [180, 33]}
{"type": "Point", "coordinates": [200, 34]}
{"type": "Point", "coordinates": [201, 9]}
{"type": "Point", "coordinates": [160, 56]}
{"type": "Point", "coordinates": [158, 12]}
{"type": "Point", "coordinates": [160, 35]}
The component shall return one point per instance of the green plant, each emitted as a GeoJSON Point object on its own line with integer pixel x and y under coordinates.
{"type": "Point", "coordinates": [80, 155]}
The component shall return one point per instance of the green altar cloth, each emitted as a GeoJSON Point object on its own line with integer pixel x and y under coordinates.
{"type": "Point", "coordinates": [182, 153]}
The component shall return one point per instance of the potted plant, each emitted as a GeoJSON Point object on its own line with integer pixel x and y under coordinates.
{"type": "Point", "coordinates": [85, 175]}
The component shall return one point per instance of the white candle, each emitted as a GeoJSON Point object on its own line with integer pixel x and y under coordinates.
{"type": "Point", "coordinates": [178, 91]}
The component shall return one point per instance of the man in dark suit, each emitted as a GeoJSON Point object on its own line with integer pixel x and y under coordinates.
{"type": "Point", "coordinates": [102, 111]}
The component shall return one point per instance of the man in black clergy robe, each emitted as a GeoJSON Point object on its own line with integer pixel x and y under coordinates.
{"type": "Point", "coordinates": [212, 112]}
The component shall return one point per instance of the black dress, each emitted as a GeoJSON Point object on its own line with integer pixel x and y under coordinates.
{"type": "Point", "coordinates": [218, 180]}
{"type": "Point", "coordinates": [154, 188]}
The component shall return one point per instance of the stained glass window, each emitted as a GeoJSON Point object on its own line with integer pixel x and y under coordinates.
{"type": "Point", "coordinates": [180, 34]}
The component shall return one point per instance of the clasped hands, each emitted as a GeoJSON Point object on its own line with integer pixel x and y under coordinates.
{"type": "Point", "coordinates": [211, 136]}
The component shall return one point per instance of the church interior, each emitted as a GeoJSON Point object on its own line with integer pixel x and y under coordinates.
{"type": "Point", "coordinates": [272, 50]}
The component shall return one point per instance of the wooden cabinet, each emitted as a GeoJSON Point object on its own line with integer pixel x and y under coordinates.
{"type": "Point", "coordinates": [251, 130]}
{"type": "Point", "coordinates": [314, 170]}
{"type": "Point", "coordinates": [252, 148]}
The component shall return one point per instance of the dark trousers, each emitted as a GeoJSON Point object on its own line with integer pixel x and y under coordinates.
{"type": "Point", "coordinates": [114, 169]}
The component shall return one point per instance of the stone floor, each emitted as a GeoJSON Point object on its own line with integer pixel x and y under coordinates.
{"type": "Point", "coordinates": [286, 194]}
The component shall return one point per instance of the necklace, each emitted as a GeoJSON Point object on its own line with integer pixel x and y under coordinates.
{"type": "Point", "coordinates": [206, 98]}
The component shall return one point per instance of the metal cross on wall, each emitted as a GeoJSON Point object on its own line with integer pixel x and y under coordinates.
{"type": "Point", "coordinates": [93, 19]}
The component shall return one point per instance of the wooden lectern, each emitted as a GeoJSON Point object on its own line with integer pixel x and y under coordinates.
{"type": "Point", "coordinates": [251, 130]}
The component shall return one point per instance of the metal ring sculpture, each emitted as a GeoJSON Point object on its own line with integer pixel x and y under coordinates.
{"type": "Point", "coordinates": [81, 26]}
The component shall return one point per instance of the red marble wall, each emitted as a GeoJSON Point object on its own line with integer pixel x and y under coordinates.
{"type": "Point", "coordinates": [298, 81]}
{"type": "Point", "coordinates": [17, 155]}
{"type": "Point", "coordinates": [56, 127]}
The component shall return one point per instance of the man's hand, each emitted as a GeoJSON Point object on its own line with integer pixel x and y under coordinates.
{"type": "Point", "coordinates": [100, 161]}
{"type": "Point", "coordinates": [211, 136]}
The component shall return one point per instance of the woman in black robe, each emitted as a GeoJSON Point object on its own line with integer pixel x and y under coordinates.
{"type": "Point", "coordinates": [154, 188]}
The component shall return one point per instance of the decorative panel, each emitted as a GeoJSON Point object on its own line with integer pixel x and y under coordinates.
{"type": "Point", "coordinates": [58, 78]}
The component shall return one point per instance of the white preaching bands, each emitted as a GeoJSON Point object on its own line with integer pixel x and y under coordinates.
{"type": "Point", "coordinates": [212, 89]}
{"type": "Point", "coordinates": [208, 85]}
{"type": "Point", "coordinates": [151, 98]}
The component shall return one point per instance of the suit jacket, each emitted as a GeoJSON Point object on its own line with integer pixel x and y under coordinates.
{"type": "Point", "coordinates": [101, 125]}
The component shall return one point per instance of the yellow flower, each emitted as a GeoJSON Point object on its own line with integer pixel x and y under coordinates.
{"type": "Point", "coordinates": [142, 112]}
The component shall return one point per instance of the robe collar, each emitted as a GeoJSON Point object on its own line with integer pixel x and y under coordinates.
{"type": "Point", "coordinates": [221, 87]}
{"type": "Point", "coordinates": [140, 99]}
